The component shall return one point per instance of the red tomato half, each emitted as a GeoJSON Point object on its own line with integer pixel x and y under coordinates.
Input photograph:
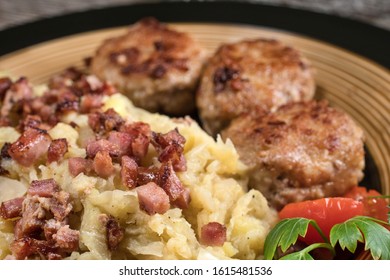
{"type": "Point", "coordinates": [373, 206]}
{"type": "Point", "coordinates": [325, 211]}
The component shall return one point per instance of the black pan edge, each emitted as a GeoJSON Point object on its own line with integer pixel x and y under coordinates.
{"type": "Point", "coordinates": [366, 40]}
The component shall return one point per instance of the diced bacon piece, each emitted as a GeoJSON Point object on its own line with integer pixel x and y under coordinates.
{"type": "Point", "coordinates": [90, 102]}
{"type": "Point", "coordinates": [67, 239]}
{"type": "Point", "coordinates": [60, 205]}
{"type": "Point", "coordinates": [169, 182]}
{"type": "Point", "coordinates": [33, 121]}
{"type": "Point", "coordinates": [51, 227]}
{"type": "Point", "coordinates": [129, 172]}
{"type": "Point", "coordinates": [64, 94]}
{"type": "Point", "coordinates": [140, 134]}
{"type": "Point", "coordinates": [25, 247]}
{"type": "Point", "coordinates": [79, 165]}
{"type": "Point", "coordinates": [169, 138]}
{"type": "Point", "coordinates": [213, 234]}
{"type": "Point", "coordinates": [32, 217]}
{"type": "Point", "coordinates": [147, 175]}
{"type": "Point", "coordinates": [21, 248]}
{"type": "Point", "coordinates": [30, 146]}
{"type": "Point", "coordinates": [174, 154]}
{"type": "Point", "coordinates": [140, 146]}
{"type": "Point", "coordinates": [43, 188]}
{"type": "Point", "coordinates": [18, 92]}
{"type": "Point", "coordinates": [114, 233]}
{"type": "Point", "coordinates": [152, 199]}
{"type": "Point", "coordinates": [108, 88]}
{"type": "Point", "coordinates": [105, 122]}
{"type": "Point", "coordinates": [93, 82]}
{"type": "Point", "coordinates": [101, 145]}
{"type": "Point", "coordinates": [67, 106]}
{"type": "Point", "coordinates": [65, 78]}
{"type": "Point", "coordinates": [102, 164]}
{"type": "Point", "coordinates": [122, 140]}
{"type": "Point", "coordinates": [170, 147]}
{"type": "Point", "coordinates": [11, 208]}
{"type": "Point", "coordinates": [136, 128]}
{"type": "Point", "coordinates": [183, 200]}
{"type": "Point", "coordinates": [57, 150]}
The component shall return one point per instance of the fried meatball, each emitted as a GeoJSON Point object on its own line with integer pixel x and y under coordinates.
{"type": "Point", "coordinates": [251, 75]}
{"type": "Point", "coordinates": [157, 67]}
{"type": "Point", "coordinates": [304, 150]}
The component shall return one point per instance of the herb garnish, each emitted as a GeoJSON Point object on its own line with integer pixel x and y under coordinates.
{"type": "Point", "coordinates": [347, 234]}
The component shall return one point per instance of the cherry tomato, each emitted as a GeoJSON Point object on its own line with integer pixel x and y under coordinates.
{"type": "Point", "coordinates": [373, 206]}
{"type": "Point", "coordinates": [325, 211]}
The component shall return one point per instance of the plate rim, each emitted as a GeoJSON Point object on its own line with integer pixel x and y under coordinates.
{"type": "Point", "coordinates": [362, 39]}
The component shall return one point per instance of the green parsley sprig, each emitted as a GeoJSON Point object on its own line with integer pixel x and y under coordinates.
{"type": "Point", "coordinates": [347, 234]}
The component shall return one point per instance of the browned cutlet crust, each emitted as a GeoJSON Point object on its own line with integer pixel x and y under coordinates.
{"type": "Point", "coordinates": [303, 151]}
{"type": "Point", "coordinates": [157, 67]}
{"type": "Point", "coordinates": [257, 74]}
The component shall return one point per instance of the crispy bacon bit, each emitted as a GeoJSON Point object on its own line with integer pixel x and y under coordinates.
{"type": "Point", "coordinates": [57, 150]}
{"type": "Point", "coordinates": [22, 248]}
{"type": "Point", "coordinates": [105, 122]}
{"type": "Point", "coordinates": [221, 76]}
{"type": "Point", "coordinates": [213, 234]}
{"type": "Point", "coordinates": [92, 85]}
{"type": "Point", "coordinates": [140, 146]}
{"type": "Point", "coordinates": [43, 188]}
{"type": "Point", "coordinates": [27, 246]}
{"type": "Point", "coordinates": [170, 147]}
{"type": "Point", "coordinates": [147, 175]}
{"type": "Point", "coordinates": [174, 154]}
{"type": "Point", "coordinates": [65, 78]}
{"type": "Point", "coordinates": [79, 165]}
{"type": "Point", "coordinates": [67, 239]}
{"type": "Point", "coordinates": [51, 227]}
{"type": "Point", "coordinates": [18, 92]}
{"type": "Point", "coordinates": [129, 172]}
{"type": "Point", "coordinates": [11, 208]}
{"type": "Point", "coordinates": [183, 200]}
{"type": "Point", "coordinates": [170, 138]}
{"type": "Point", "coordinates": [102, 164]}
{"type": "Point", "coordinates": [169, 181]}
{"type": "Point", "coordinates": [60, 205]}
{"type": "Point", "coordinates": [122, 140]}
{"type": "Point", "coordinates": [90, 102]}
{"type": "Point", "coordinates": [67, 106]}
{"type": "Point", "coordinates": [114, 233]}
{"type": "Point", "coordinates": [152, 199]}
{"type": "Point", "coordinates": [101, 145]}
{"type": "Point", "coordinates": [140, 133]}
{"type": "Point", "coordinates": [5, 84]}
{"type": "Point", "coordinates": [32, 121]}
{"type": "Point", "coordinates": [42, 229]}
{"type": "Point", "coordinates": [93, 82]}
{"type": "Point", "coordinates": [136, 128]}
{"type": "Point", "coordinates": [32, 217]}
{"type": "Point", "coordinates": [43, 108]}
{"type": "Point", "coordinates": [30, 146]}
